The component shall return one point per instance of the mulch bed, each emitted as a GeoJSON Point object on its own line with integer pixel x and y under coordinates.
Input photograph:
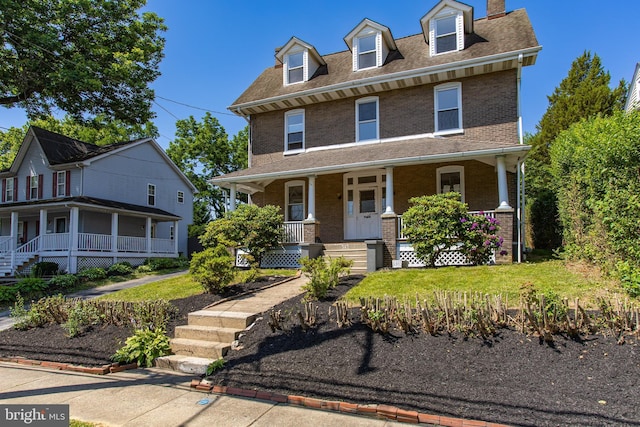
{"type": "Point", "coordinates": [510, 378]}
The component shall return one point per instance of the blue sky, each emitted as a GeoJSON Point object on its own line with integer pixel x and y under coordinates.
{"type": "Point", "coordinates": [215, 49]}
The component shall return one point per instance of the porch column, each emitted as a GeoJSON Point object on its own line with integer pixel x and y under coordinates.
{"type": "Point", "coordinates": [311, 203]}
{"type": "Point", "coordinates": [232, 197]}
{"type": "Point", "coordinates": [389, 191]}
{"type": "Point", "coordinates": [148, 234]}
{"type": "Point", "coordinates": [43, 224]}
{"type": "Point", "coordinates": [175, 237]}
{"type": "Point", "coordinates": [13, 244]}
{"type": "Point", "coordinates": [114, 232]}
{"type": "Point", "coordinates": [503, 191]}
{"type": "Point", "coordinates": [73, 240]}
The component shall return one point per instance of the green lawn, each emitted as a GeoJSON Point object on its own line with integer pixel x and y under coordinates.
{"type": "Point", "coordinates": [178, 287]}
{"type": "Point", "coordinates": [567, 280]}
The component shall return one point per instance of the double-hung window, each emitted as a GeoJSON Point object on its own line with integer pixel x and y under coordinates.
{"type": "Point", "coordinates": [61, 183]}
{"type": "Point", "coordinates": [367, 52]}
{"type": "Point", "coordinates": [294, 130]}
{"type": "Point", "coordinates": [181, 197]}
{"type": "Point", "coordinates": [295, 201]}
{"type": "Point", "coordinates": [367, 119]}
{"type": "Point", "coordinates": [9, 190]}
{"type": "Point", "coordinates": [450, 179]}
{"type": "Point", "coordinates": [295, 67]}
{"type": "Point", "coordinates": [33, 187]}
{"type": "Point", "coordinates": [446, 36]}
{"type": "Point", "coordinates": [151, 195]}
{"type": "Point", "coordinates": [448, 108]}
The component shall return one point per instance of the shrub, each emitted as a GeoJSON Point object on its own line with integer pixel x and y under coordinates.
{"type": "Point", "coordinates": [629, 278]}
{"type": "Point", "coordinates": [120, 269]}
{"type": "Point", "coordinates": [156, 264]}
{"type": "Point", "coordinates": [63, 281]}
{"type": "Point", "coordinates": [32, 287]}
{"type": "Point", "coordinates": [479, 238]}
{"type": "Point", "coordinates": [152, 314]}
{"type": "Point", "coordinates": [52, 309]}
{"type": "Point", "coordinates": [144, 347]}
{"type": "Point", "coordinates": [80, 318]}
{"type": "Point", "coordinates": [213, 268]}
{"type": "Point", "coordinates": [323, 274]}
{"type": "Point", "coordinates": [92, 274]}
{"type": "Point", "coordinates": [8, 294]}
{"type": "Point", "coordinates": [44, 268]}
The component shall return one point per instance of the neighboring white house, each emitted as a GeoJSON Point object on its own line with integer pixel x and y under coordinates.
{"type": "Point", "coordinates": [633, 97]}
{"type": "Point", "coordinates": [82, 205]}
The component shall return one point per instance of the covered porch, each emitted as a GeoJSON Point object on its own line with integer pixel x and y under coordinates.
{"type": "Point", "coordinates": [80, 233]}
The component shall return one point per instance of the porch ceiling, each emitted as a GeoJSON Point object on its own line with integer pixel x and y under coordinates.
{"type": "Point", "coordinates": [362, 156]}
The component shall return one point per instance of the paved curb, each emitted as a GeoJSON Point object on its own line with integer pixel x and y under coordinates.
{"type": "Point", "coordinates": [385, 412]}
{"type": "Point", "coordinates": [97, 370]}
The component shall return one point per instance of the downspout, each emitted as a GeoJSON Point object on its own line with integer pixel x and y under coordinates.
{"type": "Point", "coordinates": [249, 142]}
{"type": "Point", "coordinates": [521, 196]}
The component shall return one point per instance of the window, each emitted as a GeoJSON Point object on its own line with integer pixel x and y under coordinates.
{"type": "Point", "coordinates": [172, 232]}
{"type": "Point", "coordinates": [61, 225]}
{"type": "Point", "coordinates": [450, 179]}
{"type": "Point", "coordinates": [61, 183]}
{"type": "Point", "coordinates": [446, 37]}
{"type": "Point", "coordinates": [294, 193]}
{"type": "Point", "coordinates": [294, 130]}
{"type": "Point", "coordinates": [367, 52]}
{"type": "Point", "coordinates": [151, 195]}
{"type": "Point", "coordinates": [295, 67]}
{"type": "Point", "coordinates": [181, 197]}
{"type": "Point", "coordinates": [9, 190]}
{"type": "Point", "coordinates": [448, 100]}
{"type": "Point", "coordinates": [367, 119]}
{"type": "Point", "coordinates": [33, 187]}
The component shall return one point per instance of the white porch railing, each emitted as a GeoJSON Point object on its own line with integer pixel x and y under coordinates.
{"type": "Point", "coordinates": [293, 232]}
{"type": "Point", "coordinates": [94, 242]}
{"type": "Point", "coordinates": [162, 246]}
{"type": "Point", "coordinates": [401, 225]}
{"type": "Point", "coordinates": [54, 242]}
{"type": "Point", "coordinates": [132, 244]}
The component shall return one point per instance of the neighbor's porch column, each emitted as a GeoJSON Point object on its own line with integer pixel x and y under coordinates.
{"type": "Point", "coordinates": [14, 239]}
{"type": "Point", "coordinates": [114, 232]}
{"type": "Point", "coordinates": [43, 224]}
{"type": "Point", "coordinates": [148, 234]}
{"type": "Point", "coordinates": [311, 202]}
{"type": "Point", "coordinates": [232, 196]}
{"type": "Point", "coordinates": [503, 190]}
{"type": "Point", "coordinates": [73, 239]}
{"type": "Point", "coordinates": [175, 237]}
{"type": "Point", "coordinates": [389, 191]}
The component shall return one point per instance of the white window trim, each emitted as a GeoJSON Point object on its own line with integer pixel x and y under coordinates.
{"type": "Point", "coordinates": [286, 131]}
{"type": "Point", "coordinates": [287, 68]}
{"type": "Point", "coordinates": [296, 183]}
{"type": "Point", "coordinates": [9, 191]}
{"type": "Point", "coordinates": [376, 50]}
{"type": "Point", "coordinates": [33, 187]}
{"type": "Point", "coordinates": [450, 169]}
{"type": "Point", "coordinates": [447, 86]}
{"type": "Point", "coordinates": [55, 224]}
{"type": "Point", "coordinates": [155, 194]}
{"type": "Point", "coordinates": [365, 101]}
{"type": "Point", "coordinates": [459, 31]}
{"type": "Point", "coordinates": [180, 197]}
{"type": "Point", "coordinates": [62, 174]}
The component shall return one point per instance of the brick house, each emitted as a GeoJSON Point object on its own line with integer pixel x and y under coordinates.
{"type": "Point", "coordinates": [342, 141]}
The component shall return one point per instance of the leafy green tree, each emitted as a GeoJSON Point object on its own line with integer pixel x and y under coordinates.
{"type": "Point", "coordinates": [254, 229]}
{"type": "Point", "coordinates": [583, 93]}
{"type": "Point", "coordinates": [98, 131]}
{"type": "Point", "coordinates": [83, 57]}
{"type": "Point", "coordinates": [202, 150]}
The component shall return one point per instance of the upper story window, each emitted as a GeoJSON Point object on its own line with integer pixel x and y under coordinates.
{"type": "Point", "coordinates": [8, 194]}
{"type": "Point", "coordinates": [367, 52]}
{"type": "Point", "coordinates": [151, 195]}
{"type": "Point", "coordinates": [448, 108]}
{"type": "Point", "coordinates": [61, 183]}
{"type": "Point", "coordinates": [367, 119]}
{"type": "Point", "coordinates": [34, 187]}
{"type": "Point", "coordinates": [445, 26]}
{"type": "Point", "coordinates": [294, 193]}
{"type": "Point", "coordinates": [181, 197]}
{"type": "Point", "coordinates": [445, 34]}
{"type": "Point", "coordinates": [450, 179]}
{"type": "Point", "coordinates": [295, 67]}
{"type": "Point", "coordinates": [294, 130]}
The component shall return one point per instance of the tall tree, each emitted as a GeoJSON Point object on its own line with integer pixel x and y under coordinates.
{"type": "Point", "coordinates": [98, 131]}
{"type": "Point", "coordinates": [202, 150]}
{"type": "Point", "coordinates": [83, 57]}
{"type": "Point", "coordinates": [582, 94]}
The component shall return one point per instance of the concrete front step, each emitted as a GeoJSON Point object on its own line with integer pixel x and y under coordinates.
{"type": "Point", "coordinates": [186, 364]}
{"type": "Point", "coordinates": [199, 348]}
{"type": "Point", "coordinates": [345, 246]}
{"type": "Point", "coordinates": [221, 319]}
{"type": "Point", "coordinates": [207, 333]}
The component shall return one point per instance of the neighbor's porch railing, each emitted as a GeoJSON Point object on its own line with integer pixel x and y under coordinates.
{"type": "Point", "coordinates": [91, 242]}
{"type": "Point", "coordinates": [293, 232]}
{"type": "Point", "coordinates": [401, 225]}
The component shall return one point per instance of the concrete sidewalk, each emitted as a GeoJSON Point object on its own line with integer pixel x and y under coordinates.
{"type": "Point", "coordinates": [152, 397]}
{"type": "Point", "coordinates": [7, 322]}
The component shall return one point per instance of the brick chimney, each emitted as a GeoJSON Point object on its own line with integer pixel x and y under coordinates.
{"type": "Point", "coordinates": [496, 9]}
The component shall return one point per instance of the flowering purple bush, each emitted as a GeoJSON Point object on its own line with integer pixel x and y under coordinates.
{"type": "Point", "coordinates": [479, 238]}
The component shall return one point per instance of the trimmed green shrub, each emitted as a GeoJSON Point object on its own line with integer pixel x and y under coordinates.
{"type": "Point", "coordinates": [156, 264]}
{"type": "Point", "coordinates": [8, 294]}
{"type": "Point", "coordinates": [120, 269]}
{"type": "Point", "coordinates": [31, 287]}
{"type": "Point", "coordinates": [323, 274]}
{"type": "Point", "coordinates": [92, 274]}
{"type": "Point", "coordinates": [63, 281]}
{"type": "Point", "coordinates": [213, 268]}
{"type": "Point", "coordinates": [81, 318]}
{"type": "Point", "coordinates": [44, 268]}
{"type": "Point", "coordinates": [144, 347]}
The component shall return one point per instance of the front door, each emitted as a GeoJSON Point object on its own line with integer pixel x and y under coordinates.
{"type": "Point", "coordinates": [363, 205]}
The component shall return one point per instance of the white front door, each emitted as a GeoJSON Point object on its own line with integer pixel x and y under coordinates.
{"type": "Point", "coordinates": [363, 205]}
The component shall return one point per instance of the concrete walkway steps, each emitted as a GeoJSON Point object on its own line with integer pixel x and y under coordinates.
{"type": "Point", "coordinates": [354, 251]}
{"type": "Point", "coordinates": [210, 332]}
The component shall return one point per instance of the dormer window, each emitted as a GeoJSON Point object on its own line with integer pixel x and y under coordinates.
{"type": "Point", "coordinates": [367, 52]}
{"type": "Point", "coordinates": [295, 67]}
{"type": "Point", "coordinates": [445, 26]}
{"type": "Point", "coordinates": [445, 34]}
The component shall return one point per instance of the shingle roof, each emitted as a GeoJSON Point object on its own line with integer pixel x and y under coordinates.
{"type": "Point", "coordinates": [510, 33]}
{"type": "Point", "coordinates": [61, 149]}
